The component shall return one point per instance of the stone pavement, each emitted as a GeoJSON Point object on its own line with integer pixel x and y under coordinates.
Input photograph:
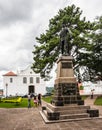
{"type": "Point", "coordinates": [90, 102]}
{"type": "Point", "coordinates": [30, 119]}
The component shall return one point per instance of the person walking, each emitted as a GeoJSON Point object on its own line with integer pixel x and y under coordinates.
{"type": "Point", "coordinates": [39, 99]}
{"type": "Point", "coordinates": [92, 93]}
{"type": "Point", "coordinates": [29, 100]}
{"type": "Point", "coordinates": [35, 101]}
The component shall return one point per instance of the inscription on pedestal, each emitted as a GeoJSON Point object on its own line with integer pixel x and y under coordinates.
{"type": "Point", "coordinates": [69, 89]}
{"type": "Point", "coordinates": [66, 65]}
{"type": "Point", "coordinates": [66, 89]}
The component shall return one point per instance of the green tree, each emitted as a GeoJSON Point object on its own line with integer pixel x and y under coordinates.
{"type": "Point", "coordinates": [94, 64]}
{"type": "Point", "coordinates": [47, 51]}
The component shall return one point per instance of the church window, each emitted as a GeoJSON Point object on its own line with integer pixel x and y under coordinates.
{"type": "Point", "coordinates": [24, 80]}
{"type": "Point", "coordinates": [31, 79]}
{"type": "Point", "coordinates": [37, 80]}
{"type": "Point", "coordinates": [11, 80]}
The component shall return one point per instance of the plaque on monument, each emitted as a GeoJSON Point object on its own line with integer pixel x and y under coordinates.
{"type": "Point", "coordinates": [66, 65]}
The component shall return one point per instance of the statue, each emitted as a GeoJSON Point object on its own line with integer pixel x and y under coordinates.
{"type": "Point", "coordinates": [64, 41]}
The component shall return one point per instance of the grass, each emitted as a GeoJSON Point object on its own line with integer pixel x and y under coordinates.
{"type": "Point", "coordinates": [98, 101]}
{"type": "Point", "coordinates": [47, 99]}
{"type": "Point", "coordinates": [22, 104]}
{"type": "Point", "coordinates": [84, 97]}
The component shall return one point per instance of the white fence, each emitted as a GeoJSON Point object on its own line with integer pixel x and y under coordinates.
{"type": "Point", "coordinates": [89, 87]}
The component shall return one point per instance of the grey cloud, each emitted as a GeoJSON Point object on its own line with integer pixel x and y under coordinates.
{"type": "Point", "coordinates": [18, 58]}
{"type": "Point", "coordinates": [15, 10]}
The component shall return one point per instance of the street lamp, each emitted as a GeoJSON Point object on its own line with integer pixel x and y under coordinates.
{"type": "Point", "coordinates": [6, 89]}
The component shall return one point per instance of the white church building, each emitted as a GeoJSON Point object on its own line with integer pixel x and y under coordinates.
{"type": "Point", "coordinates": [23, 82]}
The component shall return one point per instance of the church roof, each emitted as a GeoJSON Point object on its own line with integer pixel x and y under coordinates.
{"type": "Point", "coordinates": [10, 74]}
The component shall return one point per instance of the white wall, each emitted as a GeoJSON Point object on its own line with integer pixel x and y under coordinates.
{"type": "Point", "coordinates": [18, 87]}
{"type": "Point", "coordinates": [97, 87]}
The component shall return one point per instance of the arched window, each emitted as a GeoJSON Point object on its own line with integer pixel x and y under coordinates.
{"type": "Point", "coordinates": [24, 80]}
{"type": "Point", "coordinates": [37, 80]}
{"type": "Point", "coordinates": [31, 79]}
{"type": "Point", "coordinates": [11, 80]}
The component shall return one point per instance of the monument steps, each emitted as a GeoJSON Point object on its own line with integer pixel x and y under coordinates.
{"type": "Point", "coordinates": [67, 107]}
{"type": "Point", "coordinates": [68, 114]}
{"type": "Point", "coordinates": [45, 113]}
{"type": "Point", "coordinates": [74, 116]}
{"type": "Point", "coordinates": [72, 112]}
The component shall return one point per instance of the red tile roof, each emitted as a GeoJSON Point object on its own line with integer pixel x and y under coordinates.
{"type": "Point", "coordinates": [10, 74]}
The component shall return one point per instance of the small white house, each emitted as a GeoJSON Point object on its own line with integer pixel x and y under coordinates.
{"type": "Point", "coordinates": [24, 82]}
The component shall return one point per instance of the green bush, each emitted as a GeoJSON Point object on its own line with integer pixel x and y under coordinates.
{"type": "Point", "coordinates": [81, 87]}
{"type": "Point", "coordinates": [12, 100]}
{"type": "Point", "coordinates": [24, 103]}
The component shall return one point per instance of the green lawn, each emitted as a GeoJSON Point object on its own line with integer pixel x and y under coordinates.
{"type": "Point", "coordinates": [22, 104]}
{"type": "Point", "coordinates": [47, 99]}
{"type": "Point", "coordinates": [98, 101]}
{"type": "Point", "coordinates": [84, 97]}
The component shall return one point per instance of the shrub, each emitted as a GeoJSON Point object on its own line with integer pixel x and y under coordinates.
{"type": "Point", "coordinates": [81, 87]}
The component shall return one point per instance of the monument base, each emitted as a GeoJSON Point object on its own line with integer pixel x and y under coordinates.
{"type": "Point", "coordinates": [66, 104]}
{"type": "Point", "coordinates": [72, 112]}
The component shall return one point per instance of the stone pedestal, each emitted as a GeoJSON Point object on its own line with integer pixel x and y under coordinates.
{"type": "Point", "coordinates": [66, 104]}
{"type": "Point", "coordinates": [66, 87]}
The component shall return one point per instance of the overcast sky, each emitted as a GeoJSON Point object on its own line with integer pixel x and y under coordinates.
{"type": "Point", "coordinates": [22, 20]}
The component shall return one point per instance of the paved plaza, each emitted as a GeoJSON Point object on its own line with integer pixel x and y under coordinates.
{"type": "Point", "coordinates": [30, 119]}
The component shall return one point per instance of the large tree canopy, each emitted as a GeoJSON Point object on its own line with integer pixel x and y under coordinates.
{"type": "Point", "coordinates": [94, 64]}
{"type": "Point", "coordinates": [97, 49]}
{"type": "Point", "coordinates": [47, 50]}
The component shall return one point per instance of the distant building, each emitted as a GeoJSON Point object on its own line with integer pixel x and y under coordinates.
{"type": "Point", "coordinates": [24, 82]}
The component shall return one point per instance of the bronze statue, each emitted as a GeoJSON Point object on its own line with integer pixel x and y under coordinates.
{"type": "Point", "coordinates": [64, 40]}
